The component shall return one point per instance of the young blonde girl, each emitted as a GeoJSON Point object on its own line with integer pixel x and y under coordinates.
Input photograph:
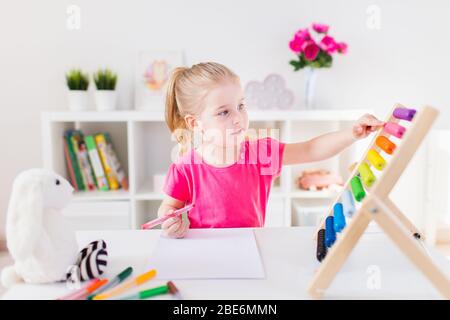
{"type": "Point", "coordinates": [227, 176]}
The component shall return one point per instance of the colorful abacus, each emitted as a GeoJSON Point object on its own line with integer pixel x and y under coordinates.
{"type": "Point", "coordinates": [364, 177]}
{"type": "Point", "coordinates": [369, 185]}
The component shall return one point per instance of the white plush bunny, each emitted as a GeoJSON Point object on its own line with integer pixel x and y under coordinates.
{"type": "Point", "coordinates": [40, 240]}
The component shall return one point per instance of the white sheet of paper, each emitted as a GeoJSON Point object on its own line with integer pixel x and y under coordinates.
{"type": "Point", "coordinates": [209, 254]}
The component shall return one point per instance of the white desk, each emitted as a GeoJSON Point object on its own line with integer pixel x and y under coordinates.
{"type": "Point", "coordinates": [288, 256]}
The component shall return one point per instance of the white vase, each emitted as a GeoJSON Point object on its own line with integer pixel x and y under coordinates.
{"type": "Point", "coordinates": [310, 83]}
{"type": "Point", "coordinates": [105, 100]}
{"type": "Point", "coordinates": [78, 100]}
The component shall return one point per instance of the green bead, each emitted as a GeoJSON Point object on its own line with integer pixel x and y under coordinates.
{"type": "Point", "coordinates": [357, 188]}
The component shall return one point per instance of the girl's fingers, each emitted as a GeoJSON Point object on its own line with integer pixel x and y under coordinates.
{"type": "Point", "coordinates": [372, 121]}
{"type": "Point", "coordinates": [180, 233]}
{"type": "Point", "coordinates": [169, 222]}
{"type": "Point", "coordinates": [173, 229]}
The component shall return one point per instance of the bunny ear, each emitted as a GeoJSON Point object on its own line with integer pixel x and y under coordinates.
{"type": "Point", "coordinates": [24, 220]}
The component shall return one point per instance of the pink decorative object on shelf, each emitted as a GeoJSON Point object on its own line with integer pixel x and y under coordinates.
{"type": "Point", "coordinates": [318, 180]}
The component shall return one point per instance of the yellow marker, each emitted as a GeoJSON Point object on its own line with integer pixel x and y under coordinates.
{"type": "Point", "coordinates": [126, 285]}
{"type": "Point", "coordinates": [376, 160]}
{"type": "Point", "coordinates": [366, 174]}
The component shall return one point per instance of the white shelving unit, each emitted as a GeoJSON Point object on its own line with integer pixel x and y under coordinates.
{"type": "Point", "coordinates": [144, 147]}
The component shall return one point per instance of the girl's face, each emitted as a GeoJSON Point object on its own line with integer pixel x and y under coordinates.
{"type": "Point", "coordinates": [224, 120]}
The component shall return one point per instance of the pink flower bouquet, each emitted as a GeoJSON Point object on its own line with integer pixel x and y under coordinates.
{"type": "Point", "coordinates": [317, 51]}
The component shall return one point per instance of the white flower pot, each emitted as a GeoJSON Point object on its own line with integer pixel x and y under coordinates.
{"type": "Point", "coordinates": [78, 100]}
{"type": "Point", "coordinates": [105, 100]}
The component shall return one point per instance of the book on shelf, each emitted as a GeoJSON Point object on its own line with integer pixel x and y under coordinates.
{"type": "Point", "coordinates": [115, 163]}
{"type": "Point", "coordinates": [102, 182]}
{"type": "Point", "coordinates": [105, 159]}
{"type": "Point", "coordinates": [72, 162]}
{"type": "Point", "coordinates": [79, 147]}
{"type": "Point", "coordinates": [92, 162]}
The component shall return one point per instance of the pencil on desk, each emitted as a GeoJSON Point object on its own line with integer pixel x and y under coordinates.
{"type": "Point", "coordinates": [126, 285]}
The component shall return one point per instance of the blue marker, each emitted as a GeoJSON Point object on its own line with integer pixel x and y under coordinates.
{"type": "Point", "coordinates": [339, 219]}
{"type": "Point", "coordinates": [330, 233]}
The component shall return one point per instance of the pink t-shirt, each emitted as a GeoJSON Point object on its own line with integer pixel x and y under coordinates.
{"type": "Point", "coordinates": [229, 197]}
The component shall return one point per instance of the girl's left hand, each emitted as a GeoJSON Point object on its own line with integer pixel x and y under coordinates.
{"type": "Point", "coordinates": [365, 126]}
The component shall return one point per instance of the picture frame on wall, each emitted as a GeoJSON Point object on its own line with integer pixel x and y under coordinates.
{"type": "Point", "coordinates": [153, 70]}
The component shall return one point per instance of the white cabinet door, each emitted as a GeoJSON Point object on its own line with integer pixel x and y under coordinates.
{"type": "Point", "coordinates": [99, 215]}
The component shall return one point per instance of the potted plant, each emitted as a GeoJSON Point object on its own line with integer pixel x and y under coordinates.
{"type": "Point", "coordinates": [78, 83]}
{"type": "Point", "coordinates": [314, 51]}
{"type": "Point", "coordinates": [105, 95]}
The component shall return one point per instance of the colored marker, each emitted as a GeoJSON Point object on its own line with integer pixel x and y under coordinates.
{"type": "Point", "coordinates": [158, 221]}
{"type": "Point", "coordinates": [126, 285]}
{"type": "Point", "coordinates": [91, 287]}
{"type": "Point", "coordinates": [141, 295]}
{"type": "Point", "coordinates": [174, 290]}
{"type": "Point", "coordinates": [115, 281]}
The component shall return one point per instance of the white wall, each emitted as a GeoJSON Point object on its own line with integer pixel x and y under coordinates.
{"type": "Point", "coordinates": [404, 61]}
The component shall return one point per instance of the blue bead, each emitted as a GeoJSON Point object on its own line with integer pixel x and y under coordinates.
{"type": "Point", "coordinates": [330, 233]}
{"type": "Point", "coordinates": [339, 218]}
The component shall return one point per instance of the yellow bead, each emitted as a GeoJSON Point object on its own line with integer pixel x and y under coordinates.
{"type": "Point", "coordinates": [376, 160]}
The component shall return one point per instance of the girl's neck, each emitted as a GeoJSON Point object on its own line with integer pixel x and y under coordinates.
{"type": "Point", "coordinates": [220, 156]}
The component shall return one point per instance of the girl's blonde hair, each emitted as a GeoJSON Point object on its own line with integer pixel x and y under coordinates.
{"type": "Point", "coordinates": [186, 89]}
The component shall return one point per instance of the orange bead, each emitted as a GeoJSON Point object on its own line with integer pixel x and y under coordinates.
{"type": "Point", "coordinates": [385, 144]}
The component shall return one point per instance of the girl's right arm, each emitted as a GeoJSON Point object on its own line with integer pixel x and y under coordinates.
{"type": "Point", "coordinates": [173, 227]}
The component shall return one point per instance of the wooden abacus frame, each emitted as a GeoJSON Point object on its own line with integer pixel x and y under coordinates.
{"type": "Point", "coordinates": [379, 207]}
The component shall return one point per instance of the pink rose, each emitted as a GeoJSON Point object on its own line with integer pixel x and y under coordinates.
{"type": "Point", "coordinates": [310, 50]}
{"type": "Point", "coordinates": [342, 47]}
{"type": "Point", "coordinates": [328, 44]}
{"type": "Point", "coordinates": [320, 28]}
{"type": "Point", "coordinates": [303, 35]}
{"type": "Point", "coordinates": [296, 45]}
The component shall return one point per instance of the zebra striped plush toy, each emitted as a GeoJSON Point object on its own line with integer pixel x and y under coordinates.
{"type": "Point", "coordinates": [40, 239]}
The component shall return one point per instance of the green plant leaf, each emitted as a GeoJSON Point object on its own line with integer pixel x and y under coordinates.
{"type": "Point", "coordinates": [76, 80]}
{"type": "Point", "coordinates": [105, 79]}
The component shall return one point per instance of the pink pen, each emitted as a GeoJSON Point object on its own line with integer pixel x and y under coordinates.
{"type": "Point", "coordinates": [154, 223]}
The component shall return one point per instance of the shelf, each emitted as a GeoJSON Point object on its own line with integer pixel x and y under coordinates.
{"type": "Point", "coordinates": [303, 194]}
{"type": "Point", "coordinates": [146, 192]}
{"type": "Point", "coordinates": [101, 195]}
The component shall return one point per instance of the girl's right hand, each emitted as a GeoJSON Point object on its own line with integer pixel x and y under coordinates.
{"type": "Point", "coordinates": [175, 227]}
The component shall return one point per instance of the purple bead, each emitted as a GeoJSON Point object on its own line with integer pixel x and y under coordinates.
{"type": "Point", "coordinates": [404, 113]}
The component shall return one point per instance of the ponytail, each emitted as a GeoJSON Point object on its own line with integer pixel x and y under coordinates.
{"type": "Point", "coordinates": [174, 118]}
